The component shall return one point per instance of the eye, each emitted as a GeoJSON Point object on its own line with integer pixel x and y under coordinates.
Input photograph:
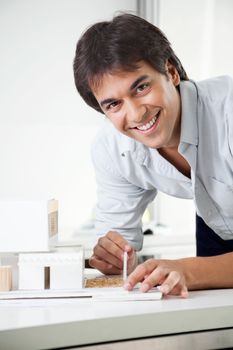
{"type": "Point", "coordinates": [142, 87]}
{"type": "Point", "coordinates": [112, 105]}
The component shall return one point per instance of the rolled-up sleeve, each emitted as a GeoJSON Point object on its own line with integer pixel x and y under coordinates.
{"type": "Point", "coordinates": [120, 204]}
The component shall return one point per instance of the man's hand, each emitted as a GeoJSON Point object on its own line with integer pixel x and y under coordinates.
{"type": "Point", "coordinates": [166, 273]}
{"type": "Point", "coordinates": [108, 254]}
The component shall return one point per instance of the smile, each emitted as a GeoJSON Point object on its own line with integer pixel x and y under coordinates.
{"type": "Point", "coordinates": [150, 124]}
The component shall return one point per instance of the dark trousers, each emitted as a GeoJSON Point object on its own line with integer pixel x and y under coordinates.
{"type": "Point", "coordinates": [208, 243]}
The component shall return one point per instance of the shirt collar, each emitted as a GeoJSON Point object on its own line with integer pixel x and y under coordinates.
{"type": "Point", "coordinates": [189, 133]}
{"type": "Point", "coordinates": [127, 144]}
{"type": "Point", "coordinates": [137, 150]}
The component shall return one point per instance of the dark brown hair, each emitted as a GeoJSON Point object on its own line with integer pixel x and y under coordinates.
{"type": "Point", "coordinates": [120, 44]}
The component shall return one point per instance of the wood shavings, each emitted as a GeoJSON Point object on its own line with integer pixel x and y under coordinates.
{"type": "Point", "coordinates": [104, 281]}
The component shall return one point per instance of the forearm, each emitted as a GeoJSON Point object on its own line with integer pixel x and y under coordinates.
{"type": "Point", "coordinates": [208, 272]}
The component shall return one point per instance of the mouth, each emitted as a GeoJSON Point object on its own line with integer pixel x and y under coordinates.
{"type": "Point", "coordinates": [149, 126]}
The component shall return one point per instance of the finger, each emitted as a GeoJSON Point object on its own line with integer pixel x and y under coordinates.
{"type": "Point", "coordinates": [174, 284]}
{"type": "Point", "coordinates": [173, 280]}
{"type": "Point", "coordinates": [104, 267]}
{"type": "Point", "coordinates": [99, 264]}
{"type": "Point", "coordinates": [131, 253]}
{"type": "Point", "coordinates": [104, 255]}
{"type": "Point", "coordinates": [156, 277]}
{"type": "Point", "coordinates": [119, 240]}
{"type": "Point", "coordinates": [111, 242]}
{"type": "Point", "coordinates": [184, 292]}
{"type": "Point", "coordinates": [140, 272]}
{"type": "Point", "coordinates": [113, 271]}
{"type": "Point", "coordinates": [105, 247]}
{"type": "Point", "coordinates": [180, 290]}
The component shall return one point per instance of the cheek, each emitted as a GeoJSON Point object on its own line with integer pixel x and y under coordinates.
{"type": "Point", "coordinates": [156, 98]}
{"type": "Point", "coordinates": [117, 121]}
{"type": "Point", "coordinates": [172, 95]}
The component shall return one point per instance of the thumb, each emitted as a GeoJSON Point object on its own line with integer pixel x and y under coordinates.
{"type": "Point", "coordinates": [184, 292]}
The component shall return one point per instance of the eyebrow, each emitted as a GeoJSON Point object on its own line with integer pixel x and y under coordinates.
{"type": "Point", "coordinates": [138, 81]}
{"type": "Point", "coordinates": [132, 86]}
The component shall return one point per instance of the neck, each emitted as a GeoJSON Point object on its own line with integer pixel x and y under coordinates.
{"type": "Point", "coordinates": [172, 155]}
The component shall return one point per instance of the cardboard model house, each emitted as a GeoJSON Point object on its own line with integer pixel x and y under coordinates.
{"type": "Point", "coordinates": [28, 225]}
{"type": "Point", "coordinates": [55, 270]}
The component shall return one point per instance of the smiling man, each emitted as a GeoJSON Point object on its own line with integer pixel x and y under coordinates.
{"type": "Point", "coordinates": [145, 104]}
{"type": "Point", "coordinates": [163, 133]}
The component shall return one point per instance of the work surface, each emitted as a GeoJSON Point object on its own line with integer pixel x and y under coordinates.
{"type": "Point", "coordinates": [57, 323]}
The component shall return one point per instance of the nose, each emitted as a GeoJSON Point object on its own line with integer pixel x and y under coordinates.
{"type": "Point", "coordinates": [135, 112]}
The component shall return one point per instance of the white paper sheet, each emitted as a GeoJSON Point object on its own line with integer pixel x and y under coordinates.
{"type": "Point", "coordinates": [123, 295]}
{"type": "Point", "coordinates": [108, 294]}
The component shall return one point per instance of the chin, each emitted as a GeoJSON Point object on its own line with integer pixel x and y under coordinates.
{"type": "Point", "coordinates": [150, 144]}
{"type": "Point", "coordinates": [153, 146]}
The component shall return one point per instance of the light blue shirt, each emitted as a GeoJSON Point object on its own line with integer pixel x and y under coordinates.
{"type": "Point", "coordinates": [129, 174]}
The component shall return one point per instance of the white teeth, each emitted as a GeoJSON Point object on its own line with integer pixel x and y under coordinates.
{"type": "Point", "coordinates": [148, 125]}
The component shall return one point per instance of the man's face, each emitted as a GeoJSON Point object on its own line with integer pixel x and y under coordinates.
{"type": "Point", "coordinates": [143, 104]}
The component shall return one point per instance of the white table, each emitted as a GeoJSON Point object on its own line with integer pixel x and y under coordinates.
{"type": "Point", "coordinates": [59, 323]}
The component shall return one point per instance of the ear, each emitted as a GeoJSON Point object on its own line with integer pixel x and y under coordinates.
{"type": "Point", "coordinates": [172, 73]}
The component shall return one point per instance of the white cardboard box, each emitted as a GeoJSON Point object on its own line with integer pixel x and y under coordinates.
{"type": "Point", "coordinates": [31, 277]}
{"type": "Point", "coordinates": [55, 270]}
{"type": "Point", "coordinates": [27, 226]}
{"type": "Point", "coordinates": [68, 276]}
